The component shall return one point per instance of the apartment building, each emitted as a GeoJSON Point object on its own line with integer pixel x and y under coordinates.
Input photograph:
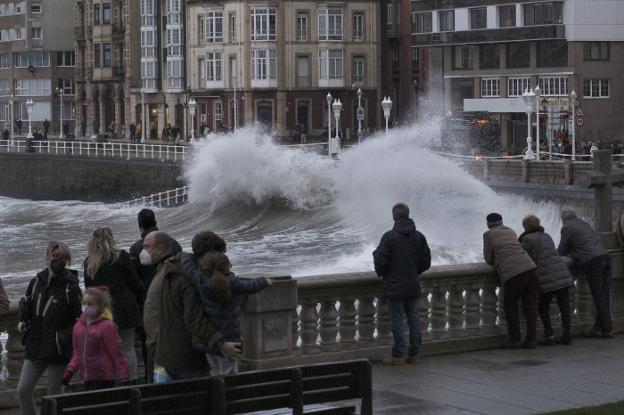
{"type": "Point", "coordinates": [482, 55]}
{"type": "Point", "coordinates": [36, 62]}
{"type": "Point", "coordinates": [274, 63]}
{"type": "Point", "coordinates": [106, 34]}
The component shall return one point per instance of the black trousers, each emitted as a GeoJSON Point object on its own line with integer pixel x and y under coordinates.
{"type": "Point", "coordinates": [598, 273]}
{"type": "Point", "coordinates": [92, 385]}
{"type": "Point", "coordinates": [523, 287]}
{"type": "Point", "coordinates": [563, 301]}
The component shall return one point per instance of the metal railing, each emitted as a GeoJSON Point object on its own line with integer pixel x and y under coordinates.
{"type": "Point", "coordinates": [168, 198]}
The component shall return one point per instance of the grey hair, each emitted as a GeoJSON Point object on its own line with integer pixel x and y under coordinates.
{"type": "Point", "coordinates": [400, 211]}
{"type": "Point", "coordinates": [567, 215]}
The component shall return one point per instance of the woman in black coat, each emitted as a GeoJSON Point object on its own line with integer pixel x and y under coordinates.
{"type": "Point", "coordinates": [553, 275]}
{"type": "Point", "coordinates": [110, 268]}
{"type": "Point", "coordinates": [48, 312]}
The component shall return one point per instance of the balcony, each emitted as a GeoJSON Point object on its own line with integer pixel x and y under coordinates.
{"type": "Point", "coordinates": [489, 35]}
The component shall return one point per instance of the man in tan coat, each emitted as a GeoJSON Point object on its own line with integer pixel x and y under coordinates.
{"type": "Point", "coordinates": [516, 271]}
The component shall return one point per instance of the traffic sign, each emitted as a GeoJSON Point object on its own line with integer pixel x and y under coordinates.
{"type": "Point", "coordinates": [360, 113]}
{"type": "Point", "coordinates": [580, 121]}
{"type": "Point", "coordinates": [579, 112]}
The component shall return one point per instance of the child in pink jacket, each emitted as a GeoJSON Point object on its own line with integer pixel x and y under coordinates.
{"type": "Point", "coordinates": [97, 353]}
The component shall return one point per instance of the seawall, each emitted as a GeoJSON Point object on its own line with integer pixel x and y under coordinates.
{"type": "Point", "coordinates": [58, 177]}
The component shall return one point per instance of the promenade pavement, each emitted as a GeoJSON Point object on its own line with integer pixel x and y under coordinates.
{"type": "Point", "coordinates": [504, 382]}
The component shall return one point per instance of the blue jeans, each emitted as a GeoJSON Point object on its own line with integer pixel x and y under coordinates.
{"type": "Point", "coordinates": [399, 309]}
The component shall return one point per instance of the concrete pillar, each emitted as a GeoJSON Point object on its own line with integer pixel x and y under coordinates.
{"type": "Point", "coordinates": [266, 324]}
{"type": "Point", "coordinates": [90, 90]}
{"type": "Point", "coordinates": [281, 114]}
{"type": "Point", "coordinates": [102, 90]}
{"type": "Point", "coordinates": [117, 97]}
{"type": "Point", "coordinates": [250, 113]}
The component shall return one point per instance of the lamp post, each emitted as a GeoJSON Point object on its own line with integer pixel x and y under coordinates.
{"type": "Point", "coordinates": [359, 95]}
{"type": "Point", "coordinates": [386, 104]}
{"type": "Point", "coordinates": [337, 107]}
{"type": "Point", "coordinates": [60, 92]}
{"type": "Point", "coordinates": [573, 122]}
{"type": "Point", "coordinates": [328, 98]}
{"type": "Point", "coordinates": [537, 91]}
{"type": "Point", "coordinates": [528, 97]}
{"type": "Point", "coordinates": [143, 129]}
{"type": "Point", "coordinates": [29, 108]}
{"type": "Point", "coordinates": [192, 105]}
{"type": "Point", "coordinates": [550, 130]}
{"type": "Point", "coordinates": [11, 102]}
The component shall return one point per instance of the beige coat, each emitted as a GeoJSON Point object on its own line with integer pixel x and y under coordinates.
{"type": "Point", "coordinates": [502, 249]}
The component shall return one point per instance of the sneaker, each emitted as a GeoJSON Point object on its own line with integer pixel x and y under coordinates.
{"type": "Point", "coordinates": [548, 341]}
{"type": "Point", "coordinates": [393, 361]}
{"type": "Point", "coordinates": [410, 360]}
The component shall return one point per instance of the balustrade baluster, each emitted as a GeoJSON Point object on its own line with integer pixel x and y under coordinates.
{"type": "Point", "coordinates": [438, 313]}
{"type": "Point", "coordinates": [572, 292]}
{"type": "Point", "coordinates": [366, 319]}
{"type": "Point", "coordinates": [584, 309]}
{"type": "Point", "coordinates": [296, 331]}
{"type": "Point", "coordinates": [488, 309]}
{"type": "Point", "coordinates": [500, 311]}
{"type": "Point", "coordinates": [473, 317]}
{"type": "Point", "coordinates": [328, 325]}
{"type": "Point", "coordinates": [384, 326]}
{"type": "Point", "coordinates": [456, 312]}
{"type": "Point", "coordinates": [14, 348]}
{"type": "Point", "coordinates": [348, 323]}
{"type": "Point", "coordinates": [309, 328]}
{"type": "Point", "coordinates": [423, 310]}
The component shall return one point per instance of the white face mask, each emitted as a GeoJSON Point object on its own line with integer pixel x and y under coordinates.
{"type": "Point", "coordinates": [145, 258]}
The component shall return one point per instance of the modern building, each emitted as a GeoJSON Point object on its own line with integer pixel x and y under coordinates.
{"type": "Point", "coordinates": [274, 63]}
{"type": "Point", "coordinates": [482, 56]}
{"type": "Point", "coordinates": [36, 63]}
{"type": "Point", "coordinates": [107, 35]}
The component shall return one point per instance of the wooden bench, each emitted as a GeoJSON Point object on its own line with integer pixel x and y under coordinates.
{"type": "Point", "coordinates": [313, 389]}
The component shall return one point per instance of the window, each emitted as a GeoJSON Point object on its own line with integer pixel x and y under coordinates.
{"type": "Point", "coordinates": [490, 87]}
{"type": "Point", "coordinates": [330, 24]}
{"type": "Point", "coordinates": [36, 32]}
{"type": "Point", "coordinates": [96, 14]}
{"type": "Point", "coordinates": [264, 64]}
{"type": "Point", "coordinates": [201, 29]}
{"type": "Point", "coordinates": [421, 22]}
{"type": "Point", "coordinates": [214, 67]}
{"type": "Point", "coordinates": [67, 85]}
{"type": "Point", "coordinates": [174, 73]}
{"type": "Point", "coordinates": [218, 115]}
{"type": "Point", "coordinates": [106, 13]}
{"type": "Point", "coordinates": [5, 60]}
{"type": "Point", "coordinates": [507, 16]}
{"type": "Point", "coordinates": [5, 88]}
{"type": "Point", "coordinates": [489, 56]}
{"type": "Point", "coordinates": [543, 13]}
{"type": "Point", "coordinates": [232, 23]}
{"type": "Point", "coordinates": [35, 8]}
{"type": "Point", "coordinates": [65, 58]}
{"type": "Point", "coordinates": [303, 71]}
{"type": "Point", "coordinates": [330, 64]}
{"type": "Point", "coordinates": [358, 27]}
{"type": "Point", "coordinates": [516, 86]}
{"type": "Point", "coordinates": [32, 87]}
{"type": "Point", "coordinates": [302, 26]}
{"type": "Point", "coordinates": [463, 57]}
{"type": "Point", "coordinates": [596, 51]}
{"type": "Point", "coordinates": [390, 17]}
{"type": "Point", "coordinates": [233, 72]}
{"type": "Point", "coordinates": [201, 71]}
{"type": "Point", "coordinates": [553, 85]}
{"type": "Point", "coordinates": [18, 33]}
{"type": "Point", "coordinates": [263, 24]}
{"type": "Point", "coordinates": [478, 18]}
{"type": "Point", "coordinates": [96, 55]}
{"type": "Point", "coordinates": [38, 59]}
{"type": "Point", "coordinates": [358, 70]}
{"type": "Point", "coordinates": [518, 55]}
{"type": "Point", "coordinates": [446, 19]}
{"type": "Point", "coordinates": [552, 53]}
{"type": "Point", "coordinates": [214, 27]}
{"type": "Point", "coordinates": [106, 55]}
{"type": "Point", "coordinates": [596, 88]}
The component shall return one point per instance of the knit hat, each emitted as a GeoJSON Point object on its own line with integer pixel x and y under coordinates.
{"type": "Point", "coordinates": [494, 219]}
{"type": "Point", "coordinates": [147, 219]}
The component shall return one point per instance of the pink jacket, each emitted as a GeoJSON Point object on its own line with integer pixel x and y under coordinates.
{"type": "Point", "coordinates": [97, 353]}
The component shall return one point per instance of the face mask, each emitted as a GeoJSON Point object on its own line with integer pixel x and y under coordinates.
{"type": "Point", "coordinates": [89, 311]}
{"type": "Point", "coordinates": [57, 266]}
{"type": "Point", "coordinates": [145, 258]}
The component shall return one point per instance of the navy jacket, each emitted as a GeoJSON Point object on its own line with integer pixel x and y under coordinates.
{"type": "Point", "coordinates": [402, 255]}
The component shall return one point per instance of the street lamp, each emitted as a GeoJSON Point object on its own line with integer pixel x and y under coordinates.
{"type": "Point", "coordinates": [573, 122]}
{"type": "Point", "coordinates": [29, 108]}
{"type": "Point", "coordinates": [192, 105]}
{"type": "Point", "coordinates": [337, 107]}
{"type": "Point", "coordinates": [359, 109]}
{"type": "Point", "coordinates": [386, 104]}
{"type": "Point", "coordinates": [537, 91]}
{"type": "Point", "coordinates": [529, 97]}
{"type": "Point", "coordinates": [60, 92]}
{"type": "Point", "coordinates": [328, 98]}
{"type": "Point", "coordinates": [11, 102]}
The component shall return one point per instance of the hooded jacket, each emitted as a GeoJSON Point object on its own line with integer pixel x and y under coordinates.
{"type": "Point", "coordinates": [502, 249]}
{"type": "Point", "coordinates": [402, 255]}
{"type": "Point", "coordinates": [55, 307]}
{"type": "Point", "coordinates": [579, 240]}
{"type": "Point", "coordinates": [97, 351]}
{"type": "Point", "coordinates": [552, 272]}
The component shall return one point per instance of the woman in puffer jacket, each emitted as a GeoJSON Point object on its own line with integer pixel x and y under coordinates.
{"type": "Point", "coordinates": [554, 278]}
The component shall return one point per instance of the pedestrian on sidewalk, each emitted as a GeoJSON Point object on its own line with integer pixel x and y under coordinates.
{"type": "Point", "coordinates": [400, 258]}
{"type": "Point", "coordinates": [582, 243]}
{"type": "Point", "coordinates": [516, 271]}
{"type": "Point", "coordinates": [98, 355]}
{"type": "Point", "coordinates": [554, 279]}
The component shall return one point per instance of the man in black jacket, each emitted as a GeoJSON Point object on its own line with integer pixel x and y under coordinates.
{"type": "Point", "coordinates": [402, 255]}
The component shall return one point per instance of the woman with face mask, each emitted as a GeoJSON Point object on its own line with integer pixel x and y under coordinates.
{"type": "Point", "coordinates": [48, 313]}
{"type": "Point", "coordinates": [110, 267]}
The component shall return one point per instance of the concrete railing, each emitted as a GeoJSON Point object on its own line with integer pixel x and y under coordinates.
{"type": "Point", "coordinates": [168, 198]}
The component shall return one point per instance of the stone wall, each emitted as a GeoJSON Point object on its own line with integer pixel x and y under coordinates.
{"type": "Point", "coordinates": [52, 177]}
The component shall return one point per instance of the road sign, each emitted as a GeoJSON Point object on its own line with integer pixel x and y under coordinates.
{"type": "Point", "coordinates": [580, 117]}
{"type": "Point", "coordinates": [360, 113]}
{"type": "Point", "coordinates": [579, 112]}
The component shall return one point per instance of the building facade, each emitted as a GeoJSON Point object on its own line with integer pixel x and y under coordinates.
{"type": "Point", "coordinates": [36, 63]}
{"type": "Point", "coordinates": [106, 34]}
{"type": "Point", "coordinates": [482, 55]}
{"type": "Point", "coordinates": [273, 63]}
